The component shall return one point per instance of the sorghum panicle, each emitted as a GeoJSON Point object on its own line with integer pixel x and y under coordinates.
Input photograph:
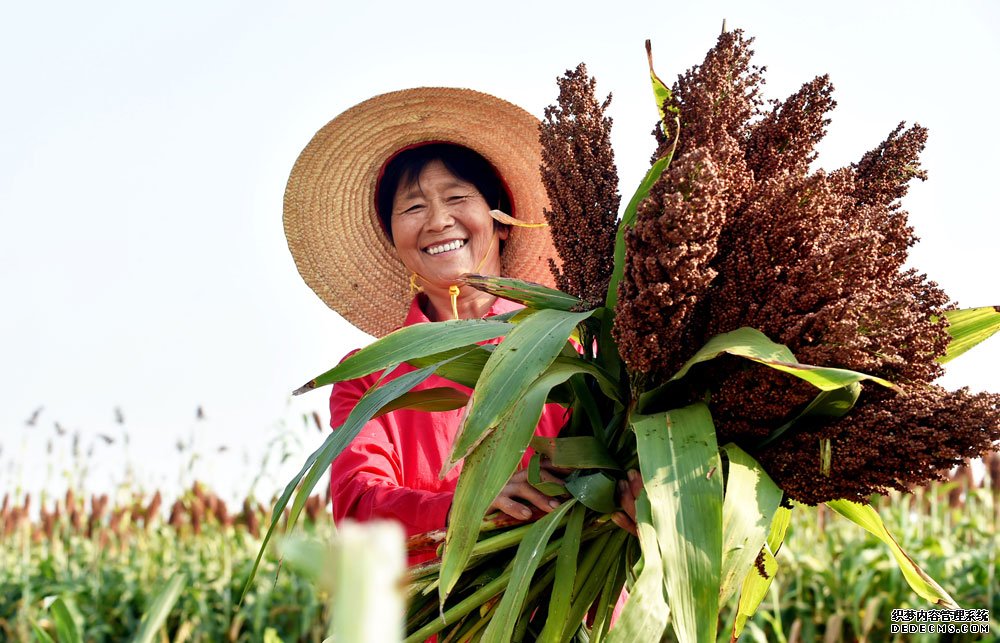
{"type": "Point", "coordinates": [786, 138]}
{"type": "Point", "coordinates": [883, 174]}
{"type": "Point", "coordinates": [668, 253]}
{"type": "Point", "coordinates": [717, 99]}
{"type": "Point", "coordinates": [890, 442]}
{"type": "Point", "coordinates": [579, 173]}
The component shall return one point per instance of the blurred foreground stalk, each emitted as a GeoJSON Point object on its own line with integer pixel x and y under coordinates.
{"type": "Point", "coordinates": [362, 569]}
{"type": "Point", "coordinates": [367, 600]}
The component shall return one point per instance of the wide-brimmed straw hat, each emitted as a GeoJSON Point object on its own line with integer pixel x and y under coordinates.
{"type": "Point", "coordinates": [331, 224]}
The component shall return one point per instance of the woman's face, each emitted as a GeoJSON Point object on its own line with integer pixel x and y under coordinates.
{"type": "Point", "coordinates": [442, 228]}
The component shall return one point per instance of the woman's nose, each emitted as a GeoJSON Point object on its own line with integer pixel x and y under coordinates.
{"type": "Point", "coordinates": [438, 216]}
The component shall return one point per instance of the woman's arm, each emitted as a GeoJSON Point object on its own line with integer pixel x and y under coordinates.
{"type": "Point", "coordinates": [366, 479]}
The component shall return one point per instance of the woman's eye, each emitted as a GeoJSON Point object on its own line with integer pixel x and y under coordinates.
{"type": "Point", "coordinates": [457, 198]}
{"type": "Point", "coordinates": [416, 207]}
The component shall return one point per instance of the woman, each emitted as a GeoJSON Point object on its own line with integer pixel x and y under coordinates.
{"type": "Point", "coordinates": [393, 194]}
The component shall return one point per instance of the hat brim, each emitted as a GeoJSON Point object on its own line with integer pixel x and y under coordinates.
{"type": "Point", "coordinates": [330, 221]}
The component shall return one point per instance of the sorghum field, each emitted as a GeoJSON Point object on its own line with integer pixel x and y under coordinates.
{"type": "Point", "coordinates": [107, 562]}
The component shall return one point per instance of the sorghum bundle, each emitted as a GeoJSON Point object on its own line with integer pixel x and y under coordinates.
{"type": "Point", "coordinates": [740, 232]}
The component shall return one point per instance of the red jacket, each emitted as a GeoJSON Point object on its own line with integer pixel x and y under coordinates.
{"type": "Point", "coordinates": [391, 468]}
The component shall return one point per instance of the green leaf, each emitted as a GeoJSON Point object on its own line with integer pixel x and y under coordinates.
{"type": "Point", "coordinates": [779, 527]}
{"type": "Point", "coordinates": [474, 601]}
{"type": "Point", "coordinates": [754, 345]}
{"type": "Point", "coordinates": [610, 593]}
{"type": "Point", "coordinates": [461, 365]}
{"type": "Point", "coordinates": [645, 615]}
{"type": "Point", "coordinates": [360, 415]}
{"type": "Point", "coordinates": [660, 91]}
{"type": "Point", "coordinates": [562, 587]}
{"type": "Point", "coordinates": [531, 604]}
{"type": "Point", "coordinates": [535, 478]}
{"type": "Point", "coordinates": [667, 113]}
{"type": "Point", "coordinates": [627, 221]}
{"type": "Point", "coordinates": [441, 398]}
{"type": "Point", "coordinates": [156, 616]}
{"type": "Point", "coordinates": [585, 401]}
{"type": "Point", "coordinates": [511, 316]}
{"type": "Point", "coordinates": [318, 462]}
{"type": "Point", "coordinates": [409, 343]}
{"type": "Point", "coordinates": [596, 491]}
{"type": "Point", "coordinates": [271, 636]}
{"type": "Point", "coordinates": [41, 634]}
{"type": "Point", "coordinates": [754, 590]}
{"type": "Point", "coordinates": [607, 383]}
{"type": "Point", "coordinates": [484, 474]}
{"type": "Point", "coordinates": [578, 452]}
{"type": "Point", "coordinates": [834, 403]}
{"type": "Point", "coordinates": [593, 579]}
{"type": "Point", "coordinates": [66, 627]}
{"type": "Point", "coordinates": [307, 557]}
{"type": "Point", "coordinates": [526, 293]}
{"type": "Point", "coordinates": [755, 586]}
{"type": "Point", "coordinates": [529, 553]}
{"type": "Point", "coordinates": [866, 517]}
{"type": "Point", "coordinates": [969, 327]}
{"type": "Point", "coordinates": [527, 351]}
{"type": "Point", "coordinates": [825, 456]}
{"type": "Point", "coordinates": [679, 461]}
{"type": "Point", "coordinates": [749, 506]}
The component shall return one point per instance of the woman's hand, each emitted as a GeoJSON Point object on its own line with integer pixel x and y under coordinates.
{"type": "Point", "coordinates": [518, 493]}
{"type": "Point", "coordinates": [628, 491]}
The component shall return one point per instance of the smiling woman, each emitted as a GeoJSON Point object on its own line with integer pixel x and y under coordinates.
{"type": "Point", "coordinates": [393, 201]}
{"type": "Point", "coordinates": [440, 224]}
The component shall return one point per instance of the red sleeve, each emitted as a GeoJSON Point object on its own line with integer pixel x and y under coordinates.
{"type": "Point", "coordinates": [365, 479]}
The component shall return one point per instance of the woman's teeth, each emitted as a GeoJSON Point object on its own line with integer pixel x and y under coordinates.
{"type": "Point", "coordinates": [445, 247]}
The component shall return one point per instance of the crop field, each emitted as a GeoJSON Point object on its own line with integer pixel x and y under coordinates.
{"type": "Point", "coordinates": [106, 563]}
{"type": "Point", "coordinates": [837, 583]}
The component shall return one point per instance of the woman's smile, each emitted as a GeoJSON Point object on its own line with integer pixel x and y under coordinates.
{"type": "Point", "coordinates": [445, 247]}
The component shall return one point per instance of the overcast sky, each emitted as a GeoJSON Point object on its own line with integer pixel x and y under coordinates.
{"type": "Point", "coordinates": [144, 151]}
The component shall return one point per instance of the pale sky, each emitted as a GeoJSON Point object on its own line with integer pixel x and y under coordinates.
{"type": "Point", "coordinates": [144, 151]}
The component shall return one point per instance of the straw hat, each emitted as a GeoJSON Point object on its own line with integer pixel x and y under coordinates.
{"type": "Point", "coordinates": [330, 221]}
